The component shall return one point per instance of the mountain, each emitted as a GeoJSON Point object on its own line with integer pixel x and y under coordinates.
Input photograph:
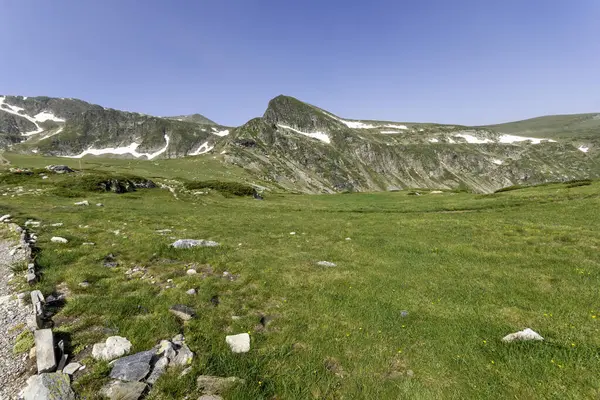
{"type": "Point", "coordinates": [300, 147]}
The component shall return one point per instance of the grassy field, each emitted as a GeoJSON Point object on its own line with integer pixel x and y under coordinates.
{"type": "Point", "coordinates": [467, 268]}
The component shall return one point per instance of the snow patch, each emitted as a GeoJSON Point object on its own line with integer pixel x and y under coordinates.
{"type": "Point", "coordinates": [131, 149]}
{"type": "Point", "coordinates": [513, 139]}
{"type": "Point", "coordinates": [498, 162]}
{"type": "Point", "coordinates": [59, 130]}
{"type": "Point", "coordinates": [388, 132]}
{"type": "Point", "coordinates": [404, 127]}
{"type": "Point", "coordinates": [473, 139]}
{"type": "Point", "coordinates": [15, 111]}
{"type": "Point", "coordinates": [204, 148]}
{"type": "Point", "coordinates": [364, 125]}
{"type": "Point", "coordinates": [46, 115]}
{"type": "Point", "coordinates": [221, 133]}
{"type": "Point", "coordinates": [583, 148]}
{"type": "Point", "coordinates": [315, 135]}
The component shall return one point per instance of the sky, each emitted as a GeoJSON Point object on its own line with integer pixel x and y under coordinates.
{"type": "Point", "coordinates": [463, 61]}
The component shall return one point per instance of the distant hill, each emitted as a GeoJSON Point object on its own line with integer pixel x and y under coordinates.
{"type": "Point", "coordinates": [553, 126]}
{"type": "Point", "coordinates": [196, 118]}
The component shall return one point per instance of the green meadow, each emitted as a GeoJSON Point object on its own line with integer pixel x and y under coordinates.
{"type": "Point", "coordinates": [424, 287]}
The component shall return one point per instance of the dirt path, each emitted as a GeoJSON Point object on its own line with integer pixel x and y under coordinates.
{"type": "Point", "coordinates": [13, 318]}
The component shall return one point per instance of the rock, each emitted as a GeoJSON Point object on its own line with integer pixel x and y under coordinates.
{"type": "Point", "coordinates": [166, 348]}
{"type": "Point", "coordinates": [404, 313]}
{"type": "Point", "coordinates": [210, 397]}
{"type": "Point", "coordinates": [57, 224]}
{"type": "Point", "coordinates": [82, 203]}
{"type": "Point", "coordinates": [191, 271]}
{"type": "Point", "coordinates": [185, 371]}
{"type": "Point", "coordinates": [184, 312]}
{"type": "Point", "coordinates": [189, 243]}
{"type": "Point", "coordinates": [292, 233]}
{"type": "Point", "coordinates": [159, 368]}
{"type": "Point", "coordinates": [99, 205]}
{"type": "Point", "coordinates": [54, 386]}
{"type": "Point", "coordinates": [238, 343]}
{"type": "Point", "coordinates": [88, 244]}
{"type": "Point", "coordinates": [215, 384]}
{"type": "Point", "coordinates": [58, 239]}
{"type": "Point", "coordinates": [436, 192]}
{"type": "Point", "coordinates": [33, 223]}
{"type": "Point", "coordinates": [215, 300]}
{"type": "Point", "coordinates": [117, 390]}
{"type": "Point", "coordinates": [71, 368]}
{"type": "Point", "coordinates": [257, 196]}
{"type": "Point", "coordinates": [110, 261]}
{"type": "Point", "coordinates": [524, 335]}
{"type": "Point", "coordinates": [5, 217]}
{"type": "Point", "coordinates": [132, 368]}
{"type": "Point", "coordinates": [44, 353]}
{"type": "Point", "coordinates": [32, 353]}
{"type": "Point", "coordinates": [59, 169]}
{"type": "Point", "coordinates": [115, 346]}
{"type": "Point", "coordinates": [178, 340]}
{"type": "Point", "coordinates": [348, 238]}
{"type": "Point", "coordinates": [191, 292]}
{"type": "Point", "coordinates": [84, 284]}
{"type": "Point", "coordinates": [184, 356]}
{"type": "Point", "coordinates": [326, 264]}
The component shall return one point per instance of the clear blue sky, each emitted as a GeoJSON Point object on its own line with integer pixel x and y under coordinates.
{"type": "Point", "coordinates": [459, 61]}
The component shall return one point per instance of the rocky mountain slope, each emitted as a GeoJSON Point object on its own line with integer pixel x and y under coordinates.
{"type": "Point", "coordinates": [297, 146]}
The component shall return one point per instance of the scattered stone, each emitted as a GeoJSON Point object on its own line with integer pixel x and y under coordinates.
{"type": "Point", "coordinates": [189, 243]}
{"type": "Point", "coordinates": [44, 177]}
{"type": "Point", "coordinates": [71, 368]}
{"type": "Point", "coordinates": [326, 264]}
{"type": "Point", "coordinates": [58, 239]}
{"type": "Point", "coordinates": [236, 317]}
{"type": "Point", "coordinates": [53, 386]}
{"type": "Point", "coordinates": [32, 223]}
{"type": "Point", "coordinates": [238, 343]}
{"type": "Point", "coordinates": [5, 218]}
{"type": "Point", "coordinates": [229, 276]}
{"type": "Point", "coordinates": [84, 284]}
{"type": "Point", "coordinates": [436, 192]}
{"type": "Point", "coordinates": [88, 244]}
{"type": "Point", "coordinates": [99, 205]}
{"type": "Point", "coordinates": [82, 203]}
{"type": "Point", "coordinates": [215, 384]}
{"type": "Point", "coordinates": [191, 292]}
{"type": "Point", "coordinates": [410, 373]}
{"type": "Point", "coordinates": [159, 368]}
{"type": "Point", "coordinates": [161, 231]}
{"type": "Point", "coordinates": [191, 271]}
{"type": "Point", "coordinates": [215, 300]}
{"type": "Point", "coordinates": [114, 347]}
{"type": "Point", "coordinates": [59, 169]}
{"type": "Point", "coordinates": [44, 350]}
{"type": "Point", "coordinates": [110, 261]}
{"type": "Point", "coordinates": [184, 312]}
{"type": "Point", "coordinates": [404, 313]}
{"type": "Point", "coordinates": [132, 368]}
{"type": "Point", "coordinates": [167, 349]}
{"type": "Point", "coordinates": [348, 238]}
{"type": "Point", "coordinates": [117, 390]}
{"type": "Point", "coordinates": [57, 224]}
{"type": "Point", "coordinates": [32, 353]}
{"type": "Point", "coordinates": [257, 196]}
{"type": "Point", "coordinates": [524, 335]}
{"type": "Point", "coordinates": [292, 233]}
{"type": "Point", "coordinates": [184, 356]}
{"type": "Point", "coordinates": [178, 340]}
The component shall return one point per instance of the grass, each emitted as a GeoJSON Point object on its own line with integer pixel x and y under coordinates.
{"type": "Point", "coordinates": [468, 268]}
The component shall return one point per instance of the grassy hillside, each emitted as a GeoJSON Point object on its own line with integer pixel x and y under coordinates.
{"type": "Point", "coordinates": [553, 126]}
{"type": "Point", "coordinates": [468, 269]}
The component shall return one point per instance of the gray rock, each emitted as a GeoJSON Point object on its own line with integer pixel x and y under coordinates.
{"type": "Point", "coordinates": [54, 386]}
{"type": "Point", "coordinates": [189, 243]}
{"type": "Point", "coordinates": [326, 264]}
{"type": "Point", "coordinates": [44, 345]}
{"type": "Point", "coordinates": [159, 368]}
{"type": "Point", "coordinates": [88, 244]}
{"type": "Point", "coordinates": [114, 347]}
{"type": "Point", "coordinates": [215, 384]}
{"type": "Point", "coordinates": [191, 291]}
{"type": "Point", "coordinates": [58, 239]}
{"type": "Point", "coordinates": [59, 169]}
{"type": "Point", "coordinates": [167, 349]}
{"type": "Point", "coordinates": [184, 312]}
{"type": "Point", "coordinates": [82, 203]}
{"type": "Point", "coordinates": [178, 340]}
{"type": "Point", "coordinates": [238, 343]}
{"type": "Point", "coordinates": [132, 368]}
{"type": "Point", "coordinates": [404, 313]}
{"type": "Point", "coordinates": [84, 284]}
{"type": "Point", "coordinates": [117, 390]}
{"type": "Point", "coordinates": [99, 205]}
{"type": "Point", "coordinates": [184, 356]}
{"type": "Point", "coordinates": [71, 368]}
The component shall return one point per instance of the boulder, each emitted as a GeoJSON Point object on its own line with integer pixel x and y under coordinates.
{"type": "Point", "coordinates": [239, 343]}
{"type": "Point", "coordinates": [159, 368]}
{"type": "Point", "coordinates": [114, 347]}
{"type": "Point", "coordinates": [524, 335]}
{"type": "Point", "coordinates": [71, 368]}
{"type": "Point", "coordinates": [58, 239]}
{"type": "Point", "coordinates": [59, 169]}
{"type": "Point", "coordinates": [117, 390]}
{"type": "Point", "coordinates": [215, 384]}
{"type": "Point", "coordinates": [184, 312]}
{"type": "Point", "coordinates": [44, 353]}
{"type": "Point", "coordinates": [132, 368]}
{"type": "Point", "coordinates": [184, 356]}
{"type": "Point", "coordinates": [53, 386]}
{"type": "Point", "coordinates": [189, 243]}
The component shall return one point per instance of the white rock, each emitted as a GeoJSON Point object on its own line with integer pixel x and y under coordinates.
{"type": "Point", "coordinates": [114, 347]}
{"type": "Point", "coordinates": [188, 243]}
{"type": "Point", "coordinates": [71, 368]}
{"type": "Point", "coordinates": [191, 271]}
{"type": "Point", "coordinates": [238, 343]}
{"type": "Point", "coordinates": [88, 244]}
{"type": "Point", "coordinates": [326, 264]}
{"type": "Point", "coordinates": [292, 233]}
{"type": "Point", "coordinates": [99, 205]}
{"type": "Point", "coordinates": [57, 224]}
{"type": "Point", "coordinates": [58, 239]}
{"type": "Point", "coordinates": [191, 291]}
{"type": "Point", "coordinates": [524, 335]}
{"type": "Point", "coordinates": [4, 217]}
{"type": "Point", "coordinates": [348, 238]}
{"type": "Point", "coordinates": [82, 203]}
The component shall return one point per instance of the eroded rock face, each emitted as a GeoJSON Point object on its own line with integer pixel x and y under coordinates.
{"type": "Point", "coordinates": [50, 386]}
